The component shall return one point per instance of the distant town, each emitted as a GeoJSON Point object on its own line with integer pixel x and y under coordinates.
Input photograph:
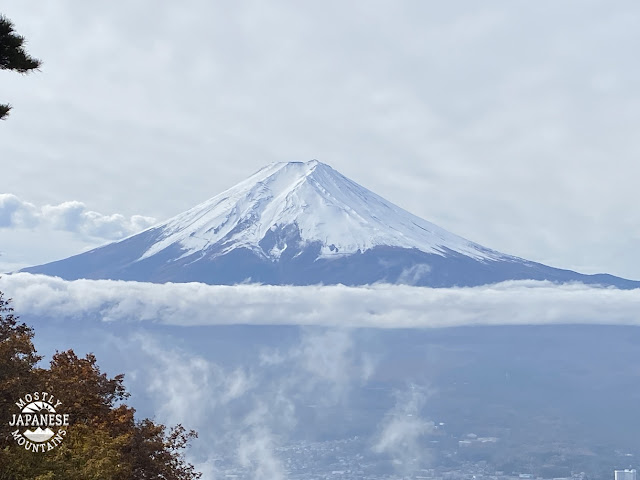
{"type": "Point", "coordinates": [348, 460]}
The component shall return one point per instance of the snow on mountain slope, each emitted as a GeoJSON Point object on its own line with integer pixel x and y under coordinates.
{"type": "Point", "coordinates": [325, 206]}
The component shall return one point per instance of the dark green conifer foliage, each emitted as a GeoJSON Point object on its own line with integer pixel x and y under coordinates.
{"type": "Point", "coordinates": [13, 56]}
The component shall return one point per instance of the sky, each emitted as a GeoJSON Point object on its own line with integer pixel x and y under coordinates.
{"type": "Point", "coordinates": [512, 124]}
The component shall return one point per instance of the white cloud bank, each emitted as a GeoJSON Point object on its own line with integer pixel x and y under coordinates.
{"type": "Point", "coordinates": [72, 216]}
{"type": "Point", "coordinates": [380, 306]}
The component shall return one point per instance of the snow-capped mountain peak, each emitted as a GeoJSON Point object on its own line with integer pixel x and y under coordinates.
{"type": "Point", "coordinates": [304, 202]}
{"type": "Point", "coordinates": [303, 223]}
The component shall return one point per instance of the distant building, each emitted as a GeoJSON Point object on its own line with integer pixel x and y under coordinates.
{"type": "Point", "coordinates": [625, 474]}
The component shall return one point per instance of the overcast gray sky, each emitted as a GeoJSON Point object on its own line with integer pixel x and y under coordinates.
{"type": "Point", "coordinates": [514, 124]}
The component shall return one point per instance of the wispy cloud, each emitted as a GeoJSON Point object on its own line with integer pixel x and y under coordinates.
{"type": "Point", "coordinates": [402, 430]}
{"type": "Point", "coordinates": [245, 413]}
{"type": "Point", "coordinates": [256, 450]}
{"type": "Point", "coordinates": [380, 306]}
{"type": "Point", "coordinates": [189, 385]}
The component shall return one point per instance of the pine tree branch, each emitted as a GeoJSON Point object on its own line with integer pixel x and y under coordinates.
{"type": "Point", "coordinates": [13, 56]}
{"type": "Point", "coordinates": [4, 111]}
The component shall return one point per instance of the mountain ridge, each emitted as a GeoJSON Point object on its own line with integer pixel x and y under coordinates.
{"type": "Point", "coordinates": [304, 223]}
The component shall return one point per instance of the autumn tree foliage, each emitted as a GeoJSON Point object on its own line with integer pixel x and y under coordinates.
{"type": "Point", "coordinates": [104, 441]}
{"type": "Point", "coordinates": [13, 56]}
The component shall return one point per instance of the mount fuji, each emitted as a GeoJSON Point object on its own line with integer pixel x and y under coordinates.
{"type": "Point", "coordinates": [304, 223]}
